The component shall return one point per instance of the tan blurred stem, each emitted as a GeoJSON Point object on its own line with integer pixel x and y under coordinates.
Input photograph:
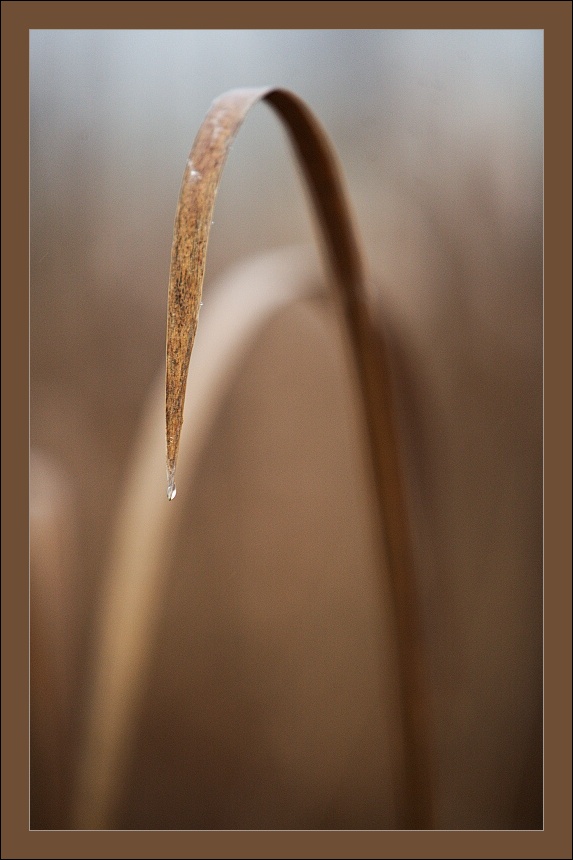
{"type": "Point", "coordinates": [192, 224]}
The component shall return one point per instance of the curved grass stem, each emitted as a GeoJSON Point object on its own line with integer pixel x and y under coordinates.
{"type": "Point", "coordinates": [192, 225]}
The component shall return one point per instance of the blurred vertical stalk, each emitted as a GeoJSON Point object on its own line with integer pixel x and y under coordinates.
{"type": "Point", "coordinates": [192, 225]}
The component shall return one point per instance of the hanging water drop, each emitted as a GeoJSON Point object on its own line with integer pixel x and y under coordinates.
{"type": "Point", "coordinates": [171, 488]}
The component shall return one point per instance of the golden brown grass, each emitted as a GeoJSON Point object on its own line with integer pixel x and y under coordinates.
{"type": "Point", "coordinates": [192, 225]}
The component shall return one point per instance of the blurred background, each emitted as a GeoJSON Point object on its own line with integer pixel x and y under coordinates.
{"type": "Point", "coordinates": [440, 138]}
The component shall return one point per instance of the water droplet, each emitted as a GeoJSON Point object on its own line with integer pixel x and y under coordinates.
{"type": "Point", "coordinates": [171, 488]}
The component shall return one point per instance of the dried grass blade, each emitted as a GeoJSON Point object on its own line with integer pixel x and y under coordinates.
{"type": "Point", "coordinates": [192, 224]}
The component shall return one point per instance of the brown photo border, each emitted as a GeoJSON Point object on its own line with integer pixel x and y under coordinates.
{"type": "Point", "coordinates": [17, 19]}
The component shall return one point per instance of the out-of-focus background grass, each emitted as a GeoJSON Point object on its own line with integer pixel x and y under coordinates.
{"type": "Point", "coordinates": [440, 137]}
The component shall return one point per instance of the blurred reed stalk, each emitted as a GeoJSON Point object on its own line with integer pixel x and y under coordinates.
{"type": "Point", "coordinates": [371, 363]}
